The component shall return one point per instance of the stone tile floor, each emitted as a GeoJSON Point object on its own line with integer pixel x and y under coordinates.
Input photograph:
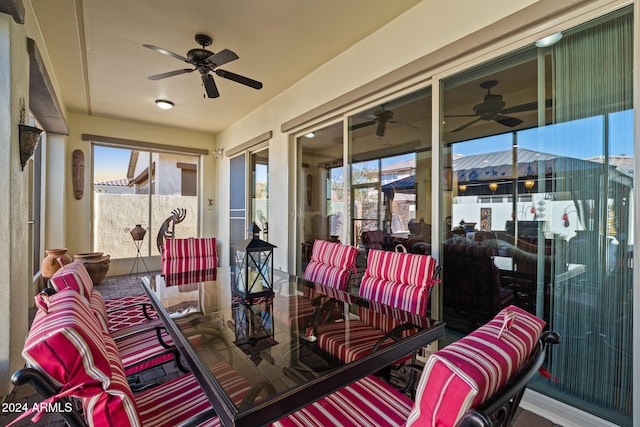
{"type": "Point", "coordinates": [120, 286]}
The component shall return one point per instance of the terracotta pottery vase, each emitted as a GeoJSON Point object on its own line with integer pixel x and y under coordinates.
{"type": "Point", "coordinates": [55, 259]}
{"type": "Point", "coordinates": [96, 263]}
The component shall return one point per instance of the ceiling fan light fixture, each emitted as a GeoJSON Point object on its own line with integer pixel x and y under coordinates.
{"type": "Point", "coordinates": [163, 104]}
{"type": "Point", "coordinates": [549, 40]}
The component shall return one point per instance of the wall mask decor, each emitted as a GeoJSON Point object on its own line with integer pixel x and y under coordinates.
{"type": "Point", "coordinates": [78, 173]}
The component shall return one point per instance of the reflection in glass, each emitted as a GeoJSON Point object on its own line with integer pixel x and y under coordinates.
{"type": "Point", "coordinates": [550, 197]}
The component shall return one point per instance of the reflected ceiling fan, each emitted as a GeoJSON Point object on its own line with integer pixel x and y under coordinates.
{"type": "Point", "coordinates": [205, 62]}
{"type": "Point", "coordinates": [493, 108]}
{"type": "Point", "coordinates": [380, 118]}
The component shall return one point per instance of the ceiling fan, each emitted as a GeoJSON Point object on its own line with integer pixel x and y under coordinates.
{"type": "Point", "coordinates": [205, 62]}
{"type": "Point", "coordinates": [493, 108]}
{"type": "Point", "coordinates": [380, 117]}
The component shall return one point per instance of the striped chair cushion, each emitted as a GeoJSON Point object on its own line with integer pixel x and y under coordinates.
{"type": "Point", "coordinates": [334, 254]}
{"type": "Point", "coordinates": [327, 275]}
{"type": "Point", "coordinates": [399, 280]}
{"type": "Point", "coordinates": [464, 374]}
{"type": "Point", "coordinates": [138, 345]}
{"type": "Point", "coordinates": [331, 264]}
{"type": "Point", "coordinates": [143, 351]}
{"type": "Point", "coordinates": [192, 254]}
{"type": "Point", "coordinates": [63, 333]}
{"type": "Point", "coordinates": [354, 344]}
{"type": "Point", "coordinates": [172, 266]}
{"type": "Point", "coordinates": [74, 276]}
{"type": "Point", "coordinates": [367, 402]}
{"type": "Point", "coordinates": [114, 405]}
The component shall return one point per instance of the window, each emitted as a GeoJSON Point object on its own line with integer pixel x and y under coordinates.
{"type": "Point", "coordinates": [133, 187]}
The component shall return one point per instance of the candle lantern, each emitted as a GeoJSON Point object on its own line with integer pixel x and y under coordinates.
{"type": "Point", "coordinates": [253, 269]}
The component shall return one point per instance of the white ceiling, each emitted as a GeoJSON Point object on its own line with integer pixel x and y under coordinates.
{"type": "Point", "coordinates": [101, 67]}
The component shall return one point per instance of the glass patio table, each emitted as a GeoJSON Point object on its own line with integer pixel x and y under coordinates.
{"type": "Point", "coordinates": [258, 360]}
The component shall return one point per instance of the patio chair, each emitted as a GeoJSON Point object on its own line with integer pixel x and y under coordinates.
{"type": "Point", "coordinates": [477, 381]}
{"type": "Point", "coordinates": [142, 343]}
{"type": "Point", "coordinates": [70, 356]}
{"type": "Point", "coordinates": [331, 264]}
{"type": "Point", "coordinates": [401, 280]}
{"type": "Point", "coordinates": [189, 255]}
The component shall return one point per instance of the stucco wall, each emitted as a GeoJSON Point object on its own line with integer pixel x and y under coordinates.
{"type": "Point", "coordinates": [14, 264]}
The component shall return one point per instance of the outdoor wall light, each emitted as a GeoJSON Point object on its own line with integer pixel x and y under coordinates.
{"type": "Point", "coordinates": [549, 40]}
{"type": "Point", "coordinates": [163, 104]}
{"type": "Point", "coordinates": [493, 186]}
{"type": "Point", "coordinates": [528, 184]}
{"type": "Point", "coordinates": [462, 188]}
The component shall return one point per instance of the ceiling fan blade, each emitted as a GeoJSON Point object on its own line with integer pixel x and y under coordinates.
{"type": "Point", "coordinates": [222, 57]}
{"type": "Point", "coordinates": [170, 74]}
{"type": "Point", "coordinates": [210, 86]}
{"type": "Point", "coordinates": [507, 121]}
{"type": "Point", "coordinates": [239, 79]}
{"type": "Point", "coordinates": [529, 106]}
{"type": "Point", "coordinates": [166, 52]}
{"type": "Point", "coordinates": [381, 128]}
{"type": "Point", "coordinates": [362, 125]}
{"type": "Point", "coordinates": [467, 125]}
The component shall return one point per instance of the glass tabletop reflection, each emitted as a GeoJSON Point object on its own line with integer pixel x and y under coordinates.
{"type": "Point", "coordinates": [258, 359]}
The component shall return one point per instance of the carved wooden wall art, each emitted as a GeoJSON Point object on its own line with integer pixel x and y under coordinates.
{"type": "Point", "coordinates": [78, 173]}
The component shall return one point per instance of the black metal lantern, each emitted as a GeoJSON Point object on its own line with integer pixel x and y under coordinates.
{"type": "Point", "coordinates": [253, 268]}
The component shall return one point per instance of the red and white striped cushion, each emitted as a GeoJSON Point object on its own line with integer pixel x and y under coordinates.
{"type": "Point", "coordinates": [171, 266]}
{"type": "Point", "coordinates": [66, 342]}
{"type": "Point", "coordinates": [192, 254]}
{"type": "Point", "coordinates": [191, 247]}
{"type": "Point", "coordinates": [334, 254]}
{"type": "Point", "coordinates": [410, 269]}
{"type": "Point", "coordinates": [367, 402]}
{"type": "Point", "coordinates": [114, 405]}
{"type": "Point", "coordinates": [349, 341]}
{"type": "Point", "coordinates": [464, 374]}
{"type": "Point", "coordinates": [331, 264]}
{"type": "Point", "coordinates": [326, 274]}
{"type": "Point", "coordinates": [74, 276]}
{"type": "Point", "coordinates": [190, 278]}
{"type": "Point", "coordinates": [399, 280]}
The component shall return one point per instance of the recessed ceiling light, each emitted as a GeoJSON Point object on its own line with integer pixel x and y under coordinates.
{"type": "Point", "coordinates": [549, 40]}
{"type": "Point", "coordinates": [310, 135]}
{"type": "Point", "coordinates": [164, 104]}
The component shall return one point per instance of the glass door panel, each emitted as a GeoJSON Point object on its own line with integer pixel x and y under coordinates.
{"type": "Point", "coordinates": [541, 149]}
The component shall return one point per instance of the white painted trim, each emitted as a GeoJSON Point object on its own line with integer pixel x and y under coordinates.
{"type": "Point", "coordinates": [560, 413]}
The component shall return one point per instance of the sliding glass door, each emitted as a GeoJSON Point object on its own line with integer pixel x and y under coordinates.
{"type": "Point", "coordinates": [541, 150]}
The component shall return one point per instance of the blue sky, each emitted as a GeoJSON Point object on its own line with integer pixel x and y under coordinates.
{"type": "Point", "coordinates": [578, 139]}
{"type": "Point", "coordinates": [110, 163]}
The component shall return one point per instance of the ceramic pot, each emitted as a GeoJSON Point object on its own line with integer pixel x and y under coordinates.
{"type": "Point", "coordinates": [55, 259]}
{"type": "Point", "coordinates": [96, 263]}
